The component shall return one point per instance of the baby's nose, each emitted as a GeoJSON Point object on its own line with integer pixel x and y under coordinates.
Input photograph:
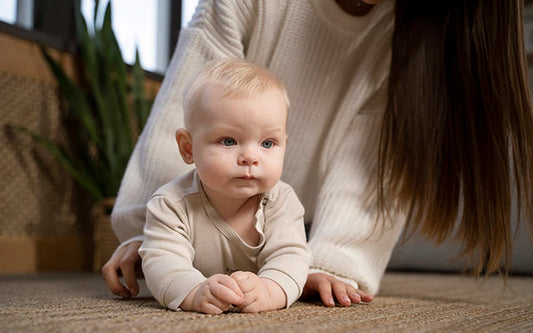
{"type": "Point", "coordinates": [248, 156]}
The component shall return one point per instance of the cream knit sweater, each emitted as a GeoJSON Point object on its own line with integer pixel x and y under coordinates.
{"type": "Point", "coordinates": [335, 67]}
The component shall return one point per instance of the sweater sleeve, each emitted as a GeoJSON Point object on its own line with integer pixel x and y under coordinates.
{"type": "Point", "coordinates": [346, 239]}
{"type": "Point", "coordinates": [219, 28]}
{"type": "Point", "coordinates": [168, 254]}
{"type": "Point", "coordinates": [285, 257]}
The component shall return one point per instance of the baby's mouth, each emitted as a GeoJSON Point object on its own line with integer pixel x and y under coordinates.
{"type": "Point", "coordinates": [247, 177]}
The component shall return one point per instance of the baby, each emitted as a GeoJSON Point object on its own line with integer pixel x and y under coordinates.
{"type": "Point", "coordinates": [228, 233]}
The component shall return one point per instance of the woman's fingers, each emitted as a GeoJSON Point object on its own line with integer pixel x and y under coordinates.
{"type": "Point", "coordinates": [127, 266]}
{"type": "Point", "coordinates": [110, 275]}
{"type": "Point", "coordinates": [339, 290]}
{"type": "Point", "coordinates": [124, 261]}
{"type": "Point", "coordinates": [317, 284]}
{"type": "Point", "coordinates": [330, 288]}
{"type": "Point", "coordinates": [353, 295]}
{"type": "Point", "coordinates": [323, 286]}
{"type": "Point", "coordinates": [364, 296]}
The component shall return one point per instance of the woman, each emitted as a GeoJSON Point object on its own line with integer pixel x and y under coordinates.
{"type": "Point", "coordinates": [377, 138]}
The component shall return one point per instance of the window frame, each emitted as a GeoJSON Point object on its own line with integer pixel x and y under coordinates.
{"type": "Point", "coordinates": [54, 26]}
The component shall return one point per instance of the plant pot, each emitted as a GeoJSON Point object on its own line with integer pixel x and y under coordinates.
{"type": "Point", "coordinates": [105, 241]}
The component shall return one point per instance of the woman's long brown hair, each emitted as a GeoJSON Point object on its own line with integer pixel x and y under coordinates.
{"type": "Point", "coordinates": [457, 134]}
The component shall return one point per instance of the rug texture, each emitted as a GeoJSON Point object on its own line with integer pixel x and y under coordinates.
{"type": "Point", "coordinates": [410, 302]}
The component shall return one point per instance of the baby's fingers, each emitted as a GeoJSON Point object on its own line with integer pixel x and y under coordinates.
{"type": "Point", "coordinates": [240, 275]}
{"type": "Point", "coordinates": [226, 289]}
{"type": "Point", "coordinates": [209, 308]}
{"type": "Point", "coordinates": [245, 280]}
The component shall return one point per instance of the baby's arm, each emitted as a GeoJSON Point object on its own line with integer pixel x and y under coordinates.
{"type": "Point", "coordinates": [213, 296]}
{"type": "Point", "coordinates": [285, 256]}
{"type": "Point", "coordinates": [167, 252]}
{"type": "Point", "coordinates": [259, 294]}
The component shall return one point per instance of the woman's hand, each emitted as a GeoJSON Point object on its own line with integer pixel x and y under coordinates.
{"type": "Point", "coordinates": [328, 286]}
{"type": "Point", "coordinates": [123, 261]}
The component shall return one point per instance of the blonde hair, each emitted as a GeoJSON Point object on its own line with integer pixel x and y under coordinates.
{"type": "Point", "coordinates": [239, 78]}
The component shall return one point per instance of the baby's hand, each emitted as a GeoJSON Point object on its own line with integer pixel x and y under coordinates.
{"type": "Point", "coordinates": [326, 286]}
{"type": "Point", "coordinates": [214, 296]}
{"type": "Point", "coordinates": [259, 294]}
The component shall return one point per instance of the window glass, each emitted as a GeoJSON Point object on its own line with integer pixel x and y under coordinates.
{"type": "Point", "coordinates": [135, 23]}
{"type": "Point", "coordinates": [8, 11]}
{"type": "Point", "coordinates": [187, 10]}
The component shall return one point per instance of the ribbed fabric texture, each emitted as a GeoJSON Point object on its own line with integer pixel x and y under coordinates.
{"type": "Point", "coordinates": [335, 67]}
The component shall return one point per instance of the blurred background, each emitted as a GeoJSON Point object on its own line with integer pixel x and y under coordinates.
{"type": "Point", "coordinates": [49, 220]}
{"type": "Point", "coordinates": [152, 26]}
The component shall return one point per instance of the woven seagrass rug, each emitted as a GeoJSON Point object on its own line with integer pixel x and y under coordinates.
{"type": "Point", "coordinates": [409, 302]}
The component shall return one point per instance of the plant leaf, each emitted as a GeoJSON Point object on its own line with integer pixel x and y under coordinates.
{"type": "Point", "coordinates": [101, 102]}
{"type": "Point", "coordinates": [75, 97]}
{"type": "Point", "coordinates": [88, 183]}
{"type": "Point", "coordinates": [142, 107]}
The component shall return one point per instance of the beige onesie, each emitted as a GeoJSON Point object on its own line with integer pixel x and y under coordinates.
{"type": "Point", "coordinates": [186, 241]}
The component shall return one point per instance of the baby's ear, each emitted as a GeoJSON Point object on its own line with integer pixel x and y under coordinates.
{"type": "Point", "coordinates": [184, 140]}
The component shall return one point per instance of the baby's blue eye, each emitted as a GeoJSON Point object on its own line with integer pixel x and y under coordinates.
{"type": "Point", "coordinates": [267, 144]}
{"type": "Point", "coordinates": [228, 142]}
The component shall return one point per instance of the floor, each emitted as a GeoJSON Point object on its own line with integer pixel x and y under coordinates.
{"type": "Point", "coordinates": [408, 302]}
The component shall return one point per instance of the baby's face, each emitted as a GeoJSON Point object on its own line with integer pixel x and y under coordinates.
{"type": "Point", "coordinates": [238, 144]}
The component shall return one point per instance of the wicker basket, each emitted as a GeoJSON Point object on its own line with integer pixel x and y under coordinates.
{"type": "Point", "coordinates": [105, 241]}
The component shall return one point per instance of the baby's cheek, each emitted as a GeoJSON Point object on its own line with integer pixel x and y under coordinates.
{"type": "Point", "coordinates": [207, 170]}
{"type": "Point", "coordinates": [279, 166]}
{"type": "Point", "coordinates": [274, 174]}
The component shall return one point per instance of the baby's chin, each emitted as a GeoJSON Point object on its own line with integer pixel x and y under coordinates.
{"type": "Point", "coordinates": [244, 193]}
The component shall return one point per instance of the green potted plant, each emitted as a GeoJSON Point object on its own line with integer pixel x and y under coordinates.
{"type": "Point", "coordinates": [107, 107]}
